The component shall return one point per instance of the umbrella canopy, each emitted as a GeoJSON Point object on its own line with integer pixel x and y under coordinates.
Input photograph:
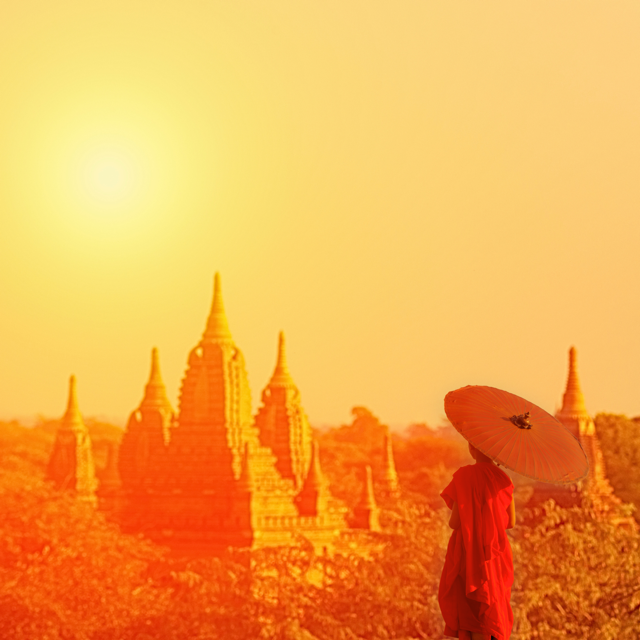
{"type": "Point", "coordinates": [517, 434]}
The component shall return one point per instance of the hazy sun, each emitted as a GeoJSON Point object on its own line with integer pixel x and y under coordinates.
{"type": "Point", "coordinates": [109, 176]}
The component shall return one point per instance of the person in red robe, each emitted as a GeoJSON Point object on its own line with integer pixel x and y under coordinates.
{"type": "Point", "coordinates": [475, 586]}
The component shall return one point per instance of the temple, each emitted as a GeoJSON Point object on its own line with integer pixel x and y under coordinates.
{"type": "Point", "coordinates": [71, 462]}
{"type": "Point", "coordinates": [594, 490]}
{"type": "Point", "coordinates": [211, 475]}
{"type": "Point", "coordinates": [391, 486]}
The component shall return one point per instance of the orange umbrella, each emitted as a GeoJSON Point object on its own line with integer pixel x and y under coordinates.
{"type": "Point", "coordinates": [517, 434]}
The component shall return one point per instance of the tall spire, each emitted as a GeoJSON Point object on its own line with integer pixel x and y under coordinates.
{"type": "Point", "coordinates": [365, 513]}
{"type": "Point", "coordinates": [217, 329]}
{"type": "Point", "coordinates": [155, 393]}
{"type": "Point", "coordinates": [389, 473]}
{"type": "Point", "coordinates": [573, 400]}
{"type": "Point", "coordinates": [72, 419]}
{"type": "Point", "coordinates": [281, 375]}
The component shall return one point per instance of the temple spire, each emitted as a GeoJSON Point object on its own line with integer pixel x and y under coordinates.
{"type": "Point", "coordinates": [217, 329]}
{"type": "Point", "coordinates": [72, 418]}
{"type": "Point", "coordinates": [389, 473]}
{"type": "Point", "coordinates": [312, 498]}
{"type": "Point", "coordinates": [365, 513]}
{"type": "Point", "coordinates": [155, 393]}
{"type": "Point", "coordinates": [315, 479]}
{"type": "Point", "coordinates": [281, 375]}
{"type": "Point", "coordinates": [573, 400]}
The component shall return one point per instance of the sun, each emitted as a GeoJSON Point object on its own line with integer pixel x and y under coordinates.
{"type": "Point", "coordinates": [109, 176]}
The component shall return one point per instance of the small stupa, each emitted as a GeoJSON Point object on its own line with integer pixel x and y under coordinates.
{"type": "Point", "coordinates": [71, 464]}
{"type": "Point", "coordinates": [391, 486]}
{"type": "Point", "coordinates": [366, 512]}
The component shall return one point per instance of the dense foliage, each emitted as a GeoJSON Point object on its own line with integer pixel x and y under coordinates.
{"type": "Point", "coordinates": [66, 573]}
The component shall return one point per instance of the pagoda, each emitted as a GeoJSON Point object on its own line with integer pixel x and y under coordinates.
{"type": "Point", "coordinates": [366, 512]}
{"type": "Point", "coordinates": [595, 489]}
{"type": "Point", "coordinates": [148, 432]}
{"type": "Point", "coordinates": [71, 464]}
{"type": "Point", "coordinates": [282, 423]}
{"type": "Point", "coordinates": [389, 478]}
{"type": "Point", "coordinates": [212, 477]}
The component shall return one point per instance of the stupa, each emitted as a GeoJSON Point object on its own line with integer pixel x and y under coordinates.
{"type": "Point", "coordinates": [71, 463]}
{"type": "Point", "coordinates": [389, 474]}
{"type": "Point", "coordinates": [595, 489]}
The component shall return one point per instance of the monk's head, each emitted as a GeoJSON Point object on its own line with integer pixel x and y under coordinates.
{"type": "Point", "coordinates": [477, 455]}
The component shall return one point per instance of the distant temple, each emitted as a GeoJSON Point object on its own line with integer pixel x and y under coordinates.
{"type": "Point", "coordinates": [210, 476]}
{"type": "Point", "coordinates": [595, 489]}
{"type": "Point", "coordinates": [71, 462]}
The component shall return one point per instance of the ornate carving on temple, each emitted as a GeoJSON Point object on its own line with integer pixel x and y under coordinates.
{"type": "Point", "coordinates": [71, 464]}
{"type": "Point", "coordinates": [282, 422]}
{"type": "Point", "coordinates": [148, 430]}
{"type": "Point", "coordinates": [366, 512]}
{"type": "Point", "coordinates": [389, 477]}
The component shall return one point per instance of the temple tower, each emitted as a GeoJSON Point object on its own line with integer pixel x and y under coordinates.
{"type": "Point", "coordinates": [282, 422]}
{"type": "Point", "coordinates": [71, 464]}
{"type": "Point", "coordinates": [595, 489]}
{"type": "Point", "coordinates": [312, 499]}
{"type": "Point", "coordinates": [214, 420]}
{"type": "Point", "coordinates": [365, 513]}
{"type": "Point", "coordinates": [574, 416]}
{"type": "Point", "coordinates": [573, 413]}
{"type": "Point", "coordinates": [389, 473]}
{"type": "Point", "coordinates": [148, 430]}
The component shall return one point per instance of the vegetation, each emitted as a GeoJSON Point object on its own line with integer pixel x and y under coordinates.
{"type": "Point", "coordinates": [66, 573]}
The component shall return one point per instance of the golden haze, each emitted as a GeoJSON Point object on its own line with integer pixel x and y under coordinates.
{"type": "Point", "coordinates": [420, 197]}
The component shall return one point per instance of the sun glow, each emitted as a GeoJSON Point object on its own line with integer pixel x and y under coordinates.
{"type": "Point", "coordinates": [110, 176]}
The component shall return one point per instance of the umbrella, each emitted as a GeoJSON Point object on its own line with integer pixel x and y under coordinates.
{"type": "Point", "coordinates": [517, 434]}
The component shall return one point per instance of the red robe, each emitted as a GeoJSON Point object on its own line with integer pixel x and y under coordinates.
{"type": "Point", "coordinates": [475, 586]}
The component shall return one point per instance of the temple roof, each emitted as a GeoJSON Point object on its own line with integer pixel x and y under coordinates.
{"type": "Point", "coordinates": [281, 376]}
{"type": "Point", "coordinates": [155, 393]}
{"type": "Point", "coordinates": [217, 329]}
{"type": "Point", "coordinates": [72, 419]}
{"type": "Point", "coordinates": [573, 400]}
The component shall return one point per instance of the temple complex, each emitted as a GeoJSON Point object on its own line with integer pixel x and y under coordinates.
{"type": "Point", "coordinates": [71, 462]}
{"type": "Point", "coordinates": [595, 488]}
{"type": "Point", "coordinates": [210, 475]}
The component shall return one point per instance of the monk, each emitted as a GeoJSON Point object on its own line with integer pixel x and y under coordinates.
{"type": "Point", "coordinates": [475, 586]}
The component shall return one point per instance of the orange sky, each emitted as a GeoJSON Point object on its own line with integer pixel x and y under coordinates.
{"type": "Point", "coordinates": [422, 195]}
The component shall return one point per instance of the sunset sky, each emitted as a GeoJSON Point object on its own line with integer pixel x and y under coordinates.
{"type": "Point", "coordinates": [420, 194]}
